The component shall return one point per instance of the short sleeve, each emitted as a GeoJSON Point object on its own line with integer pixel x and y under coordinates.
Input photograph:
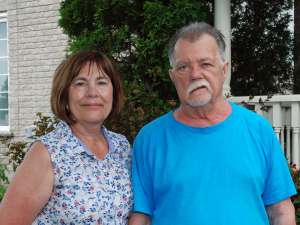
{"type": "Point", "coordinates": [279, 184]}
{"type": "Point", "coordinates": [141, 180]}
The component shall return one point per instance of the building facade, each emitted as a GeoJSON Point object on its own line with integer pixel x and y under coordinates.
{"type": "Point", "coordinates": [31, 47]}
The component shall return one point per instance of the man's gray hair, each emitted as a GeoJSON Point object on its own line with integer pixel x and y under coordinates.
{"type": "Point", "coordinates": [193, 32]}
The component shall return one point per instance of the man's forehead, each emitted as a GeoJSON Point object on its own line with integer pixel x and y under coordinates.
{"type": "Point", "coordinates": [206, 49]}
{"type": "Point", "coordinates": [203, 37]}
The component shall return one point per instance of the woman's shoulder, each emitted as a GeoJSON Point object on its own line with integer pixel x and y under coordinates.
{"type": "Point", "coordinates": [60, 140]}
{"type": "Point", "coordinates": [61, 133]}
{"type": "Point", "coordinates": [61, 129]}
{"type": "Point", "coordinates": [118, 142]}
{"type": "Point", "coordinates": [114, 135]}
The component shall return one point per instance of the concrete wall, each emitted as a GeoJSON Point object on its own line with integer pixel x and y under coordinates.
{"type": "Point", "coordinates": [36, 47]}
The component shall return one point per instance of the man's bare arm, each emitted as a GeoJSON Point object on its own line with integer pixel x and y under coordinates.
{"type": "Point", "coordinates": [282, 213]}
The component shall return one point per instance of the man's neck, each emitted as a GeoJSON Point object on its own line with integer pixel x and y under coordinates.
{"type": "Point", "coordinates": [203, 116]}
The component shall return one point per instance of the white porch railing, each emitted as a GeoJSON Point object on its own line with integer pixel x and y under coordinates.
{"type": "Point", "coordinates": [283, 112]}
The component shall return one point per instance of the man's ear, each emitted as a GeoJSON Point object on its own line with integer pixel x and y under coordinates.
{"type": "Point", "coordinates": [171, 74]}
{"type": "Point", "coordinates": [225, 69]}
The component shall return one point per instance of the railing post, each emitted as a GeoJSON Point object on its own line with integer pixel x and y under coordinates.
{"type": "Point", "coordinates": [295, 129]}
{"type": "Point", "coordinates": [257, 108]}
{"type": "Point", "coordinates": [288, 143]}
{"type": "Point", "coordinates": [277, 121]}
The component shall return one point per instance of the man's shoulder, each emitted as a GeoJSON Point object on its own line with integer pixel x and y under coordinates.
{"type": "Point", "coordinates": [251, 118]}
{"type": "Point", "coordinates": [248, 113]}
{"type": "Point", "coordinates": [156, 125]}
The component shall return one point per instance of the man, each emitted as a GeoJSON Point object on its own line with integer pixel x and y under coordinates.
{"type": "Point", "coordinates": [208, 162]}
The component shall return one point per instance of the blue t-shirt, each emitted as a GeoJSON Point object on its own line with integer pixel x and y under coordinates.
{"type": "Point", "coordinates": [223, 174]}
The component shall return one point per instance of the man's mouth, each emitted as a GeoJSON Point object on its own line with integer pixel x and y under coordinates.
{"type": "Point", "coordinates": [198, 88]}
{"type": "Point", "coordinates": [200, 85]}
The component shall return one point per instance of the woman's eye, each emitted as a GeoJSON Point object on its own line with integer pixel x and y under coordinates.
{"type": "Point", "coordinates": [79, 83]}
{"type": "Point", "coordinates": [102, 82]}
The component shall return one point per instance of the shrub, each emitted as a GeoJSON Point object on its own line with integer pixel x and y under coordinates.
{"type": "Point", "coordinates": [3, 180]}
{"type": "Point", "coordinates": [17, 150]}
{"type": "Point", "coordinates": [295, 172]}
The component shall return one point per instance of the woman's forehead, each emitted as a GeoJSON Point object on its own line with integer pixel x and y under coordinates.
{"type": "Point", "coordinates": [92, 68]}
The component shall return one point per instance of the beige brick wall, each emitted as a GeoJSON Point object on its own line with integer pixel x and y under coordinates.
{"type": "Point", "coordinates": [36, 47]}
{"type": "Point", "coordinates": [3, 5]}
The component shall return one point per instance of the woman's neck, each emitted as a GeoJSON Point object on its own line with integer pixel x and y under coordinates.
{"type": "Point", "coordinates": [87, 131]}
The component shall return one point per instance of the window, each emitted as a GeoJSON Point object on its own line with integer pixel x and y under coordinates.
{"type": "Point", "coordinates": [4, 73]}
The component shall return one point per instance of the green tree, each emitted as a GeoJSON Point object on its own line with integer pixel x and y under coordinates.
{"type": "Point", "coordinates": [135, 34]}
{"type": "Point", "coordinates": [261, 47]}
{"type": "Point", "coordinates": [296, 83]}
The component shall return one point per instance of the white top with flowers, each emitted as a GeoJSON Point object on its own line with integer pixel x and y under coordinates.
{"type": "Point", "coordinates": [87, 190]}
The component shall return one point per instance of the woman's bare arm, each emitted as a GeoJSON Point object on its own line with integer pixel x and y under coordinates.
{"type": "Point", "coordinates": [30, 188]}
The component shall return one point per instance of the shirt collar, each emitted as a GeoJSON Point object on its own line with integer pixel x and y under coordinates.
{"type": "Point", "coordinates": [79, 147]}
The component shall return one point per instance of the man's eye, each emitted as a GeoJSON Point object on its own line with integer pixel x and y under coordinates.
{"type": "Point", "coordinates": [182, 67]}
{"type": "Point", "coordinates": [206, 65]}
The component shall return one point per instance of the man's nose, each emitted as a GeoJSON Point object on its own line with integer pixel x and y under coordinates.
{"type": "Point", "coordinates": [196, 72]}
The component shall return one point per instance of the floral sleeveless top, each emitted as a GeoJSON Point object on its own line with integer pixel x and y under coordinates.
{"type": "Point", "coordinates": [87, 190]}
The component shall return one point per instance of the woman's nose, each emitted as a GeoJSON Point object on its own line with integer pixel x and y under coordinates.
{"type": "Point", "coordinates": [92, 90]}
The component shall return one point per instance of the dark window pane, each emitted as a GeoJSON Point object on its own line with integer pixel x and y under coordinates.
{"type": "Point", "coordinates": [3, 66]}
{"type": "Point", "coordinates": [4, 101]}
{"type": "Point", "coordinates": [3, 48]}
{"type": "Point", "coordinates": [4, 118]}
{"type": "Point", "coordinates": [3, 30]}
{"type": "Point", "coordinates": [3, 83]}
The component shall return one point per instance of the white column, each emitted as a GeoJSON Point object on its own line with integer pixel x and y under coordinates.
{"type": "Point", "coordinates": [295, 112]}
{"type": "Point", "coordinates": [277, 120]}
{"type": "Point", "coordinates": [223, 23]}
{"type": "Point", "coordinates": [288, 143]}
{"type": "Point", "coordinates": [282, 141]}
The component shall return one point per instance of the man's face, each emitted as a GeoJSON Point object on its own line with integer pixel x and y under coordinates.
{"type": "Point", "coordinates": [198, 72]}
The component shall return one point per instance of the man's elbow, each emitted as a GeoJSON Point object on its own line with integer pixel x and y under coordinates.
{"type": "Point", "coordinates": [282, 213]}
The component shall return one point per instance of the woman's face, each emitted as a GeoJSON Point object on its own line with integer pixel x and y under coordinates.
{"type": "Point", "coordinates": [90, 96]}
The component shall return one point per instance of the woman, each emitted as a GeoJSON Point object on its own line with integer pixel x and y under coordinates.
{"type": "Point", "coordinates": [80, 172]}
